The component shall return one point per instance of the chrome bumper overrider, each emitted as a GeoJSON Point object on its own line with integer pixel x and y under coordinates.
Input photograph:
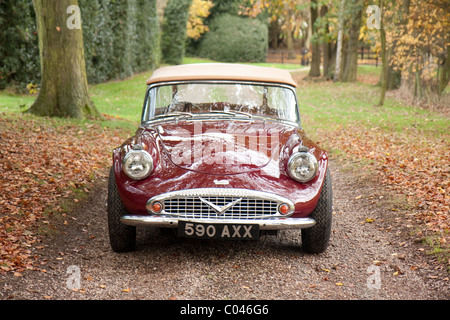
{"type": "Point", "coordinates": [264, 224]}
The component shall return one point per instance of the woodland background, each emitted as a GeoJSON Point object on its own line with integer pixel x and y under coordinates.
{"type": "Point", "coordinates": [123, 37]}
{"type": "Point", "coordinates": [391, 120]}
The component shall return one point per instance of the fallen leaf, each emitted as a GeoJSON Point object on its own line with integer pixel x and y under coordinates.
{"type": "Point", "coordinates": [48, 166]}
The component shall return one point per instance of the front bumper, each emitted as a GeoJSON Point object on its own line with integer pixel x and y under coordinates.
{"type": "Point", "coordinates": [264, 224]}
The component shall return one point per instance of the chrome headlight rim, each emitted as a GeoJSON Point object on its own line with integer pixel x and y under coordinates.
{"type": "Point", "coordinates": [147, 164]}
{"type": "Point", "coordinates": [313, 164]}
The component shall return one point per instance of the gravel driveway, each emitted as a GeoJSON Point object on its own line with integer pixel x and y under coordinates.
{"type": "Point", "coordinates": [370, 257]}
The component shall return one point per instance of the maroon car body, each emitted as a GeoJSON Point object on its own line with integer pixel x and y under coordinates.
{"type": "Point", "coordinates": [218, 161]}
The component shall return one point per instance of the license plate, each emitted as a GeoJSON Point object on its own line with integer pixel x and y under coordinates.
{"type": "Point", "coordinates": [218, 231]}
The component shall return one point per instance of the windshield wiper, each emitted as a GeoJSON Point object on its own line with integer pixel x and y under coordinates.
{"type": "Point", "coordinates": [232, 112]}
{"type": "Point", "coordinates": [235, 112]}
{"type": "Point", "coordinates": [222, 111]}
{"type": "Point", "coordinates": [174, 114]}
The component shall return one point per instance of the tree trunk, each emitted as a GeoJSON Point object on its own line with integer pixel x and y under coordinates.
{"type": "Point", "coordinates": [337, 73]}
{"type": "Point", "coordinates": [383, 57]}
{"type": "Point", "coordinates": [394, 77]}
{"type": "Point", "coordinates": [290, 44]}
{"type": "Point", "coordinates": [290, 37]}
{"type": "Point", "coordinates": [326, 46]}
{"type": "Point", "coordinates": [315, 57]}
{"type": "Point", "coordinates": [64, 88]}
{"type": "Point", "coordinates": [418, 92]}
{"type": "Point", "coordinates": [444, 74]}
{"type": "Point", "coordinates": [274, 34]}
{"type": "Point", "coordinates": [351, 59]}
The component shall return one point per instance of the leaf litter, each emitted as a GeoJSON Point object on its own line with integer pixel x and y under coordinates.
{"type": "Point", "coordinates": [43, 163]}
{"type": "Point", "coordinates": [411, 164]}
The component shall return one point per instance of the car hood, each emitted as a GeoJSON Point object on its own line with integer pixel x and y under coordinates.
{"type": "Point", "coordinates": [225, 147]}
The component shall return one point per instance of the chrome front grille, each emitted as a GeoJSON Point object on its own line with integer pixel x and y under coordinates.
{"type": "Point", "coordinates": [218, 203]}
{"type": "Point", "coordinates": [193, 207]}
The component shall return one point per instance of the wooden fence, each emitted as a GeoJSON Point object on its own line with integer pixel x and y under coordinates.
{"type": "Point", "coordinates": [366, 56]}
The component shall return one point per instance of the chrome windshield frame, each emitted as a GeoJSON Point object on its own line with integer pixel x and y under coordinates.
{"type": "Point", "coordinates": [203, 116]}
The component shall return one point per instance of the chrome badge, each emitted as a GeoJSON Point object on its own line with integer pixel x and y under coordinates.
{"type": "Point", "coordinates": [218, 209]}
{"type": "Point", "coordinates": [221, 182]}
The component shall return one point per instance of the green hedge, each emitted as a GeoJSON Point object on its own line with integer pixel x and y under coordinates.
{"type": "Point", "coordinates": [173, 40]}
{"type": "Point", "coordinates": [19, 48]}
{"type": "Point", "coordinates": [222, 7]}
{"type": "Point", "coordinates": [149, 40]}
{"type": "Point", "coordinates": [121, 37]}
{"type": "Point", "coordinates": [98, 40]}
{"type": "Point", "coordinates": [235, 39]}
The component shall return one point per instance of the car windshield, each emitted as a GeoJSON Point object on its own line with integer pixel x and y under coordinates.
{"type": "Point", "coordinates": [226, 99]}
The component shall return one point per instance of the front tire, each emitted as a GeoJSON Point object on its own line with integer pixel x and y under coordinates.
{"type": "Point", "coordinates": [121, 237]}
{"type": "Point", "coordinates": [317, 238]}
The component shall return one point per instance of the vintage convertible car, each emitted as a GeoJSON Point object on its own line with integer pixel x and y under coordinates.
{"type": "Point", "coordinates": [220, 154]}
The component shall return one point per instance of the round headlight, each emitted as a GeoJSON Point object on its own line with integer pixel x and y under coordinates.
{"type": "Point", "coordinates": [302, 166]}
{"type": "Point", "coordinates": [138, 164]}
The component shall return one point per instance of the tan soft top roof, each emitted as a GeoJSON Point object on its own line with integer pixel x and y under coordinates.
{"type": "Point", "coordinates": [221, 71]}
